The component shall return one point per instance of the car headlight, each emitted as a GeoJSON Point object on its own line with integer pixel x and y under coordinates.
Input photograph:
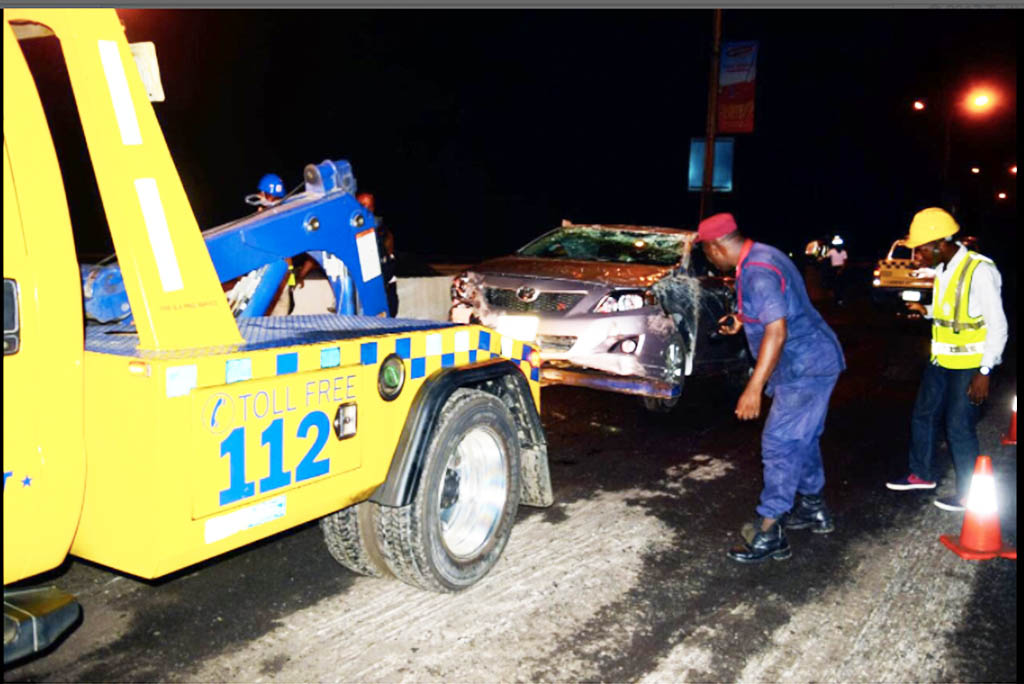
{"type": "Point", "coordinates": [621, 301]}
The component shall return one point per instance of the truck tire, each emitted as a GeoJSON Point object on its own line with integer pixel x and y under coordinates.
{"type": "Point", "coordinates": [461, 516]}
{"type": "Point", "coordinates": [351, 537]}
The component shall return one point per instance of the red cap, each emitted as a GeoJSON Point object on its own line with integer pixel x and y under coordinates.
{"type": "Point", "coordinates": [714, 227]}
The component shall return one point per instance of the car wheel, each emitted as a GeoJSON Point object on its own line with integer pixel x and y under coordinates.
{"type": "Point", "coordinates": [659, 405]}
{"type": "Point", "coordinates": [674, 374]}
{"type": "Point", "coordinates": [351, 538]}
{"type": "Point", "coordinates": [461, 516]}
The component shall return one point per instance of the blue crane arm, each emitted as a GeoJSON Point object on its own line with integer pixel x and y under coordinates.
{"type": "Point", "coordinates": [324, 221]}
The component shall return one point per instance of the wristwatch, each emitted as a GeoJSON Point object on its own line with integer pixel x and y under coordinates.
{"type": "Point", "coordinates": [984, 370]}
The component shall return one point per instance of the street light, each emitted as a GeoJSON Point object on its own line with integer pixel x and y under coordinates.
{"type": "Point", "coordinates": [979, 101]}
{"type": "Point", "coordinates": [1001, 195]}
{"type": "Point", "coordinates": [975, 169]}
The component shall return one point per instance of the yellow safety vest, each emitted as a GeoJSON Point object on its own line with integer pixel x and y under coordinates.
{"type": "Point", "coordinates": [958, 340]}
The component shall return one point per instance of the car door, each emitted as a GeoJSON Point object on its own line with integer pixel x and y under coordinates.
{"type": "Point", "coordinates": [44, 459]}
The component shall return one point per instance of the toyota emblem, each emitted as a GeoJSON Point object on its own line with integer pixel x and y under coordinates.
{"type": "Point", "coordinates": [527, 294]}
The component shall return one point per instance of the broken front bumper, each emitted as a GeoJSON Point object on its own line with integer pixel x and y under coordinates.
{"type": "Point", "coordinates": [581, 377]}
{"type": "Point", "coordinates": [591, 351]}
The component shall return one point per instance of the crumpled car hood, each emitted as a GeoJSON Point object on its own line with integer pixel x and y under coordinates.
{"type": "Point", "coordinates": [629, 275]}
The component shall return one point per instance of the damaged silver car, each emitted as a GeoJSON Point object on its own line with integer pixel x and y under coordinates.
{"type": "Point", "coordinates": [623, 308]}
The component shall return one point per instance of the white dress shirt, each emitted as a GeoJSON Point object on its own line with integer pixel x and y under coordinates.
{"type": "Point", "coordinates": [837, 256]}
{"type": "Point", "coordinates": [983, 300]}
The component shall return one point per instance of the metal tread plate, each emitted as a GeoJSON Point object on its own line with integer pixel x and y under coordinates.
{"type": "Point", "coordinates": [265, 332]}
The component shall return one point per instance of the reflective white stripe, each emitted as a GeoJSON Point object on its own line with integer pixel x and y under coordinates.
{"type": "Point", "coordinates": [946, 348]}
{"type": "Point", "coordinates": [981, 498]}
{"type": "Point", "coordinates": [369, 259]}
{"type": "Point", "coordinates": [223, 526]}
{"type": "Point", "coordinates": [181, 380]}
{"type": "Point", "coordinates": [433, 344]}
{"type": "Point", "coordinates": [159, 234]}
{"type": "Point", "coordinates": [120, 96]}
{"type": "Point", "coordinates": [964, 325]}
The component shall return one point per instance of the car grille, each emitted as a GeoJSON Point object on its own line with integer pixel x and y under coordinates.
{"type": "Point", "coordinates": [547, 301]}
{"type": "Point", "coordinates": [559, 343]}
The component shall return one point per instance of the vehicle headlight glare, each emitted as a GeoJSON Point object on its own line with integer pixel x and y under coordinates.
{"type": "Point", "coordinates": [614, 302]}
{"type": "Point", "coordinates": [628, 302]}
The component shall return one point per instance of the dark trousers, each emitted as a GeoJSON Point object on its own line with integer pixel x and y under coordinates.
{"type": "Point", "coordinates": [838, 284]}
{"type": "Point", "coordinates": [789, 443]}
{"type": "Point", "coordinates": [942, 397]}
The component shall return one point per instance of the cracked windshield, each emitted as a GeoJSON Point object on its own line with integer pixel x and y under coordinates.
{"type": "Point", "coordinates": [617, 246]}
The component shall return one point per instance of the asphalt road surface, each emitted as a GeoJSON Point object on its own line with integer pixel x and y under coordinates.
{"type": "Point", "coordinates": [625, 578]}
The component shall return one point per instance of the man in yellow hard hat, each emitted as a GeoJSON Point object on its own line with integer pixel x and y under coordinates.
{"type": "Point", "coordinates": [968, 337]}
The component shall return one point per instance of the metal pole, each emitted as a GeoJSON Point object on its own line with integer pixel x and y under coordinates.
{"type": "Point", "coordinates": [709, 133]}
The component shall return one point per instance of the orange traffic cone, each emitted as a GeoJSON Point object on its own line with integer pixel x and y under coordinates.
{"type": "Point", "coordinates": [1011, 436]}
{"type": "Point", "coordinates": [980, 538]}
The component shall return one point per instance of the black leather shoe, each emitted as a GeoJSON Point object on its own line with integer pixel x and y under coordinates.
{"type": "Point", "coordinates": [760, 546]}
{"type": "Point", "coordinates": [810, 512]}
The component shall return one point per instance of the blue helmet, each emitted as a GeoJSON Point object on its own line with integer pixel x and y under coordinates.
{"type": "Point", "coordinates": [272, 185]}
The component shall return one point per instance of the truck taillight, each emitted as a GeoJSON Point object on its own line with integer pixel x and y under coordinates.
{"type": "Point", "coordinates": [138, 368]}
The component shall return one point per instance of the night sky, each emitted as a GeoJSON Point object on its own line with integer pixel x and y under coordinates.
{"type": "Point", "coordinates": [479, 130]}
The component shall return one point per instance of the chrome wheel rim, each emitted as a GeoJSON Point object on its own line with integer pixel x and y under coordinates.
{"type": "Point", "coordinates": [674, 361]}
{"type": "Point", "coordinates": [472, 492]}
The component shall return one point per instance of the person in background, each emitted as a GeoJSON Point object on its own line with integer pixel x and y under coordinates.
{"type": "Point", "coordinates": [386, 251]}
{"type": "Point", "coordinates": [837, 257]}
{"type": "Point", "coordinates": [968, 338]}
{"type": "Point", "coordinates": [798, 360]}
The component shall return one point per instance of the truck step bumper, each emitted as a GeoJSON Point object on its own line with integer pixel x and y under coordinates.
{"type": "Point", "coordinates": [647, 387]}
{"type": "Point", "coordinates": [34, 618]}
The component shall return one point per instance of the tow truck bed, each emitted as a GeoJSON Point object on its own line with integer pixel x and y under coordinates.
{"type": "Point", "coordinates": [269, 331]}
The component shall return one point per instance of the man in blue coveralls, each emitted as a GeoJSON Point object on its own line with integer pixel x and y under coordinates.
{"type": "Point", "coordinates": [798, 362]}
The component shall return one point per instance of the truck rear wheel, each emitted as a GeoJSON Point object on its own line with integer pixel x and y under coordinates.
{"type": "Point", "coordinates": [455, 529]}
{"type": "Point", "coordinates": [351, 537]}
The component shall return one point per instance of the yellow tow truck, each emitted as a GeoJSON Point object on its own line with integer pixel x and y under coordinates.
{"type": "Point", "coordinates": [153, 446]}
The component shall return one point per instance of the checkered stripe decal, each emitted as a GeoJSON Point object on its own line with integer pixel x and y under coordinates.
{"type": "Point", "coordinates": [424, 353]}
{"type": "Point", "coordinates": [451, 348]}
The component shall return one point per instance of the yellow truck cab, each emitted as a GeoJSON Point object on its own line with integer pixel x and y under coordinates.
{"type": "Point", "coordinates": [154, 446]}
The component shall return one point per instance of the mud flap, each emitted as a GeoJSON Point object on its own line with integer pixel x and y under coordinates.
{"type": "Point", "coordinates": [35, 618]}
{"type": "Point", "coordinates": [535, 477]}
